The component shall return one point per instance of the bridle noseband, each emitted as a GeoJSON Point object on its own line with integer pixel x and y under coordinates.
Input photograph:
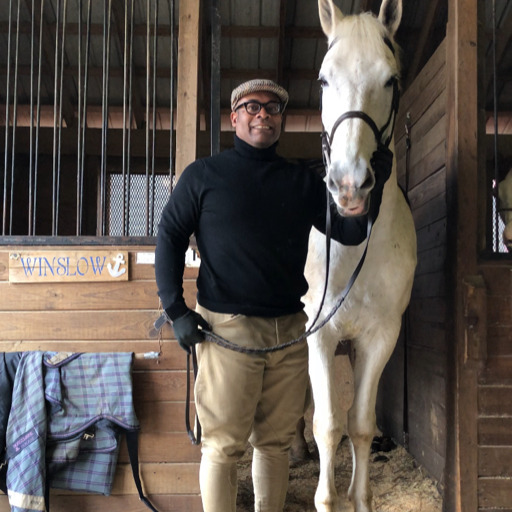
{"type": "Point", "coordinates": [358, 114]}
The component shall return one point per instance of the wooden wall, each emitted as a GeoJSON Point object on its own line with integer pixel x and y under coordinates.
{"type": "Point", "coordinates": [108, 317]}
{"type": "Point", "coordinates": [495, 393]}
{"type": "Point", "coordinates": [423, 344]}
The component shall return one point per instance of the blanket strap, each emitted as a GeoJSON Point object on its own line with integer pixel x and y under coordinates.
{"type": "Point", "coordinates": [132, 442]}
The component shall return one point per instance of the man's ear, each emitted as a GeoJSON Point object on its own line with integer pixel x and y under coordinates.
{"type": "Point", "coordinates": [234, 118]}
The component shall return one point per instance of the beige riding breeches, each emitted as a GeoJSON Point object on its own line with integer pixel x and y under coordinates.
{"type": "Point", "coordinates": [244, 397]}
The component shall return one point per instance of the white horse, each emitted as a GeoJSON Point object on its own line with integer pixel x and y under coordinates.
{"type": "Point", "coordinates": [359, 74]}
{"type": "Point", "coordinates": [505, 208]}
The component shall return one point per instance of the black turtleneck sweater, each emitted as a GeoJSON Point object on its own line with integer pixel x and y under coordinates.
{"type": "Point", "coordinates": [252, 212]}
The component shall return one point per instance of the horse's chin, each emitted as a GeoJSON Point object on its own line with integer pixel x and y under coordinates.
{"type": "Point", "coordinates": [353, 210]}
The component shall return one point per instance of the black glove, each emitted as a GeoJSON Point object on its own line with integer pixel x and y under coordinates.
{"type": "Point", "coordinates": [186, 329]}
{"type": "Point", "coordinates": [382, 163]}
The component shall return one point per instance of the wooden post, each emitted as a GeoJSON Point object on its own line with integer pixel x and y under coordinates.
{"type": "Point", "coordinates": [462, 149]}
{"type": "Point", "coordinates": [188, 61]}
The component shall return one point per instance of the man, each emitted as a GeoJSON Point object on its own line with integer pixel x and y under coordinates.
{"type": "Point", "coordinates": [251, 212]}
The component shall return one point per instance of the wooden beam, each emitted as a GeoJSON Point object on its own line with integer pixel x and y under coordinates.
{"type": "Point", "coordinates": [188, 60]}
{"type": "Point", "coordinates": [463, 151]}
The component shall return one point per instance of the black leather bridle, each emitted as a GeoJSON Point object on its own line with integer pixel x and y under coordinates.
{"type": "Point", "coordinates": [327, 138]}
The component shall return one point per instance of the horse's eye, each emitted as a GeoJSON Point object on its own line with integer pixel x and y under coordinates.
{"type": "Point", "coordinates": [390, 82]}
{"type": "Point", "coordinates": [323, 81]}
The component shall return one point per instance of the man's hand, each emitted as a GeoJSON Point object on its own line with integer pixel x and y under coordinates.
{"type": "Point", "coordinates": [382, 163]}
{"type": "Point", "coordinates": [187, 329]}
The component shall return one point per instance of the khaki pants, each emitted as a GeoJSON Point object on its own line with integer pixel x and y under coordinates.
{"type": "Point", "coordinates": [257, 398]}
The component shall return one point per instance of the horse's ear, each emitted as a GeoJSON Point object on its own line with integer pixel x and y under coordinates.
{"type": "Point", "coordinates": [329, 16]}
{"type": "Point", "coordinates": [390, 15]}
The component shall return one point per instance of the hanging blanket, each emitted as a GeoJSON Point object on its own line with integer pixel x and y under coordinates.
{"type": "Point", "coordinates": [64, 426]}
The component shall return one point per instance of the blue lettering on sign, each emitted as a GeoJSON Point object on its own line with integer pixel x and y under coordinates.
{"type": "Point", "coordinates": [28, 265]}
{"type": "Point", "coordinates": [65, 266]}
{"type": "Point", "coordinates": [98, 267]}
{"type": "Point", "coordinates": [47, 265]}
{"type": "Point", "coordinates": [84, 268]}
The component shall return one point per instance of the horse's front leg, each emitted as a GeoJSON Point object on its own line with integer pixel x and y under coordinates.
{"type": "Point", "coordinates": [327, 420]}
{"type": "Point", "coordinates": [370, 360]}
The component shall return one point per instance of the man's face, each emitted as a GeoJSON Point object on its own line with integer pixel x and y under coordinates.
{"type": "Point", "coordinates": [260, 130]}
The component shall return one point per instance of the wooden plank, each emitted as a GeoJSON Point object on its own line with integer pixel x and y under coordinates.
{"type": "Point", "coordinates": [430, 163]}
{"type": "Point", "coordinates": [431, 79]}
{"type": "Point", "coordinates": [495, 493]}
{"type": "Point", "coordinates": [499, 341]}
{"type": "Point", "coordinates": [159, 386]}
{"type": "Point", "coordinates": [163, 447]}
{"type": "Point", "coordinates": [188, 58]}
{"type": "Point", "coordinates": [431, 212]}
{"type": "Point", "coordinates": [433, 186]}
{"type": "Point", "coordinates": [83, 325]}
{"type": "Point", "coordinates": [85, 296]}
{"type": "Point", "coordinates": [498, 277]}
{"type": "Point", "coordinates": [421, 126]}
{"type": "Point", "coordinates": [427, 336]}
{"type": "Point", "coordinates": [431, 260]}
{"type": "Point", "coordinates": [495, 461]}
{"type": "Point", "coordinates": [432, 235]}
{"type": "Point", "coordinates": [495, 431]}
{"type": "Point", "coordinates": [429, 285]}
{"type": "Point", "coordinates": [429, 142]}
{"type": "Point", "coordinates": [117, 503]}
{"type": "Point", "coordinates": [162, 416]}
{"type": "Point", "coordinates": [498, 370]}
{"type": "Point", "coordinates": [495, 400]}
{"type": "Point", "coordinates": [158, 479]}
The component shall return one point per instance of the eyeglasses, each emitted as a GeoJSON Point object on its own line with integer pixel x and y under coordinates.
{"type": "Point", "coordinates": [253, 107]}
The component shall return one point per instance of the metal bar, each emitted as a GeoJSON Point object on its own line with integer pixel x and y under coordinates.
{"type": "Point", "coordinates": [31, 141]}
{"type": "Point", "coordinates": [215, 79]}
{"type": "Point", "coordinates": [7, 105]}
{"type": "Point", "coordinates": [15, 116]}
{"type": "Point", "coordinates": [61, 86]}
{"type": "Point", "coordinates": [155, 56]}
{"type": "Point", "coordinates": [125, 93]}
{"type": "Point", "coordinates": [130, 105]}
{"type": "Point", "coordinates": [55, 101]}
{"type": "Point", "coordinates": [148, 72]}
{"type": "Point", "coordinates": [38, 117]}
{"type": "Point", "coordinates": [495, 94]}
{"type": "Point", "coordinates": [171, 6]}
{"type": "Point", "coordinates": [106, 68]}
{"type": "Point", "coordinates": [79, 120]}
{"type": "Point", "coordinates": [84, 116]}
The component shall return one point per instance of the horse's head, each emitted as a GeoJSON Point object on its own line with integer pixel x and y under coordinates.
{"type": "Point", "coordinates": [359, 78]}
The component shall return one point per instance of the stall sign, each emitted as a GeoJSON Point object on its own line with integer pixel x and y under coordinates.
{"type": "Point", "coordinates": [67, 266]}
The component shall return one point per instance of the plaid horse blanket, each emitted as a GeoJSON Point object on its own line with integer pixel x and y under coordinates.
{"type": "Point", "coordinates": [67, 415]}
